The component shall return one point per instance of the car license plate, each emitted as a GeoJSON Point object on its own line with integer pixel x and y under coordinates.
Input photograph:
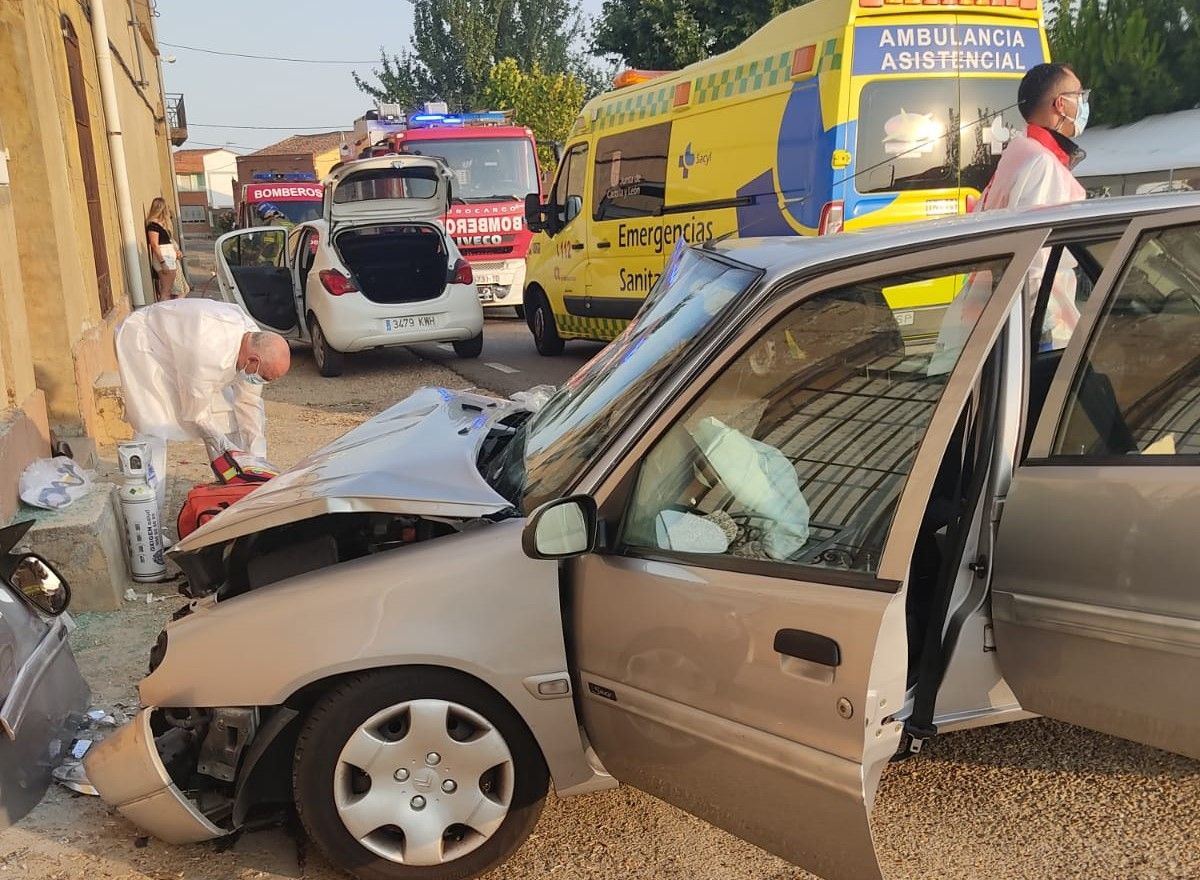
{"type": "Point", "coordinates": [412, 322]}
{"type": "Point", "coordinates": [487, 278]}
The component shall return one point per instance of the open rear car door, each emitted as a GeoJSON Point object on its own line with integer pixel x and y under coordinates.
{"type": "Point", "coordinates": [253, 271]}
{"type": "Point", "coordinates": [1094, 598]}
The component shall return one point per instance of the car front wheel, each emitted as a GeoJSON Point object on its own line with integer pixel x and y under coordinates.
{"type": "Point", "coordinates": [545, 333]}
{"type": "Point", "coordinates": [417, 774]}
{"type": "Point", "coordinates": [330, 361]}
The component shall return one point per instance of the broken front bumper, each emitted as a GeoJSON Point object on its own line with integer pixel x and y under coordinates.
{"type": "Point", "coordinates": [127, 772]}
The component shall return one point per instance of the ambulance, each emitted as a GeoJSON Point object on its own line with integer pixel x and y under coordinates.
{"type": "Point", "coordinates": [836, 115]}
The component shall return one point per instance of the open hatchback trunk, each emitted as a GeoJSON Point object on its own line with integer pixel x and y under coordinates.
{"type": "Point", "coordinates": [395, 264]}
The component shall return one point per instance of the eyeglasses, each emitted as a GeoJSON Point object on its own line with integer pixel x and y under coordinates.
{"type": "Point", "coordinates": [1082, 95]}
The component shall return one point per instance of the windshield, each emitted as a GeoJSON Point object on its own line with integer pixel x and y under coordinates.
{"type": "Point", "coordinates": [933, 133]}
{"type": "Point", "coordinates": [485, 169]}
{"type": "Point", "coordinates": [550, 450]}
{"type": "Point", "coordinates": [295, 212]}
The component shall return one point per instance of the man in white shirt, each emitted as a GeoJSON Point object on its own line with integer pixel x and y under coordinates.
{"type": "Point", "coordinates": [1035, 170]}
{"type": "Point", "coordinates": [193, 369]}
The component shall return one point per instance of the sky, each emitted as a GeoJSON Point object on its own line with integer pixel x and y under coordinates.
{"type": "Point", "coordinates": [222, 92]}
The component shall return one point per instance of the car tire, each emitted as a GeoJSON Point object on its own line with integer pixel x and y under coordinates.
{"type": "Point", "coordinates": [545, 333]}
{"type": "Point", "coordinates": [330, 361]}
{"type": "Point", "coordinates": [520, 310]}
{"type": "Point", "coordinates": [469, 348]}
{"type": "Point", "coordinates": [432, 725]}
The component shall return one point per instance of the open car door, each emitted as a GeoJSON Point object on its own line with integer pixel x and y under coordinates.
{"type": "Point", "coordinates": [42, 695]}
{"type": "Point", "coordinates": [740, 641]}
{"type": "Point", "coordinates": [253, 270]}
{"type": "Point", "coordinates": [1094, 598]}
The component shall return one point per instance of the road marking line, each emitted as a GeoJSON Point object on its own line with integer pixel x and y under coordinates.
{"type": "Point", "coordinates": [445, 346]}
{"type": "Point", "coordinates": [503, 368]}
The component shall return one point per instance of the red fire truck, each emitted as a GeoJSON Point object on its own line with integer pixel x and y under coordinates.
{"type": "Point", "coordinates": [495, 166]}
{"type": "Point", "coordinates": [279, 200]}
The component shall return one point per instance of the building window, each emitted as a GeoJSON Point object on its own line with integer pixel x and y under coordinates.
{"type": "Point", "coordinates": [193, 213]}
{"type": "Point", "coordinates": [190, 182]}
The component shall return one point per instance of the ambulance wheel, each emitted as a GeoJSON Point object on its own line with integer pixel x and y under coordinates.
{"type": "Point", "coordinates": [330, 361]}
{"type": "Point", "coordinates": [545, 333]}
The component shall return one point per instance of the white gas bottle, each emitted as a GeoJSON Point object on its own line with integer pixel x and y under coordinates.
{"type": "Point", "coordinates": [139, 509]}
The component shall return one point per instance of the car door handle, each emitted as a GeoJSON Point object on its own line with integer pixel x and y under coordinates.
{"type": "Point", "coordinates": [577, 246]}
{"type": "Point", "coordinates": [604, 244]}
{"type": "Point", "coordinates": [811, 646]}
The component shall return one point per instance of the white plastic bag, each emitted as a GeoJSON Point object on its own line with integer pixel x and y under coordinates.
{"type": "Point", "coordinates": [535, 398]}
{"type": "Point", "coordinates": [53, 483]}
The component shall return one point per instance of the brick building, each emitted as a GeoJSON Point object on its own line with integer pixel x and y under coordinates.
{"type": "Point", "coordinates": [311, 154]}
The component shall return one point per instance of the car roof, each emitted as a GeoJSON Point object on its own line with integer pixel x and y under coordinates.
{"type": "Point", "coordinates": [782, 255]}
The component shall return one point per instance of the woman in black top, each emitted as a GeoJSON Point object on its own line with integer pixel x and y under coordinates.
{"type": "Point", "coordinates": [164, 255]}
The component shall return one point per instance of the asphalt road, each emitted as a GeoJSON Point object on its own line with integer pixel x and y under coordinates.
{"type": "Point", "coordinates": [509, 361]}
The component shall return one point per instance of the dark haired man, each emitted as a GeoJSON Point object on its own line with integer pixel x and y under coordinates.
{"type": "Point", "coordinates": [1035, 170]}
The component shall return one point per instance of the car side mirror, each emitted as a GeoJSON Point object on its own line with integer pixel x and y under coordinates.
{"type": "Point", "coordinates": [40, 584]}
{"type": "Point", "coordinates": [573, 209]}
{"type": "Point", "coordinates": [562, 529]}
{"type": "Point", "coordinates": [534, 213]}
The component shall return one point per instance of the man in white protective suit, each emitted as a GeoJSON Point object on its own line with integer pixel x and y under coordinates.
{"type": "Point", "coordinates": [193, 369]}
{"type": "Point", "coordinates": [1035, 170]}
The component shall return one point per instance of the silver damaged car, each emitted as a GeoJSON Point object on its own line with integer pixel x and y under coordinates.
{"type": "Point", "coordinates": [775, 535]}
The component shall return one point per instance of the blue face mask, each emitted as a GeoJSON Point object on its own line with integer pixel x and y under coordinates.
{"type": "Point", "coordinates": [1082, 111]}
{"type": "Point", "coordinates": [251, 378]}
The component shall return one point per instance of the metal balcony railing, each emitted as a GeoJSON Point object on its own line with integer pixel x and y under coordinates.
{"type": "Point", "coordinates": [176, 118]}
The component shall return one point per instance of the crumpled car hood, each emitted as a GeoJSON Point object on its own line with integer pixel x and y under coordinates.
{"type": "Point", "coordinates": [417, 457]}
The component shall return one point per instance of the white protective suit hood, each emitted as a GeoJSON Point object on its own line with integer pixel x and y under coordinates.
{"type": "Point", "coordinates": [178, 362]}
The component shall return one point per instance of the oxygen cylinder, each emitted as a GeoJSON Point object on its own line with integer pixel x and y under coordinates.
{"type": "Point", "coordinates": [139, 509]}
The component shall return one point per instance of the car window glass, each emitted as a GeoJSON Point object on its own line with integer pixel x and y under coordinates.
{"type": "Point", "coordinates": [930, 133]}
{"type": "Point", "coordinates": [631, 173]}
{"type": "Point", "coordinates": [387, 183]}
{"type": "Point", "coordinates": [247, 249]}
{"type": "Point", "coordinates": [798, 451]}
{"type": "Point", "coordinates": [1137, 392]}
{"type": "Point", "coordinates": [596, 403]}
{"type": "Point", "coordinates": [293, 245]}
{"type": "Point", "coordinates": [571, 198]}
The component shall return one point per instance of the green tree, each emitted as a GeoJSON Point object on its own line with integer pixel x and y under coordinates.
{"type": "Point", "coordinates": [548, 103]}
{"type": "Point", "coordinates": [456, 43]}
{"type": "Point", "coordinates": [667, 34]}
{"type": "Point", "coordinates": [1138, 56]}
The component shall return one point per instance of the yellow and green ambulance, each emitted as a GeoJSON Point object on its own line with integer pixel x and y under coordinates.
{"type": "Point", "coordinates": [836, 115]}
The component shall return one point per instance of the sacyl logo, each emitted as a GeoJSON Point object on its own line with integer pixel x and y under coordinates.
{"type": "Point", "coordinates": [689, 159]}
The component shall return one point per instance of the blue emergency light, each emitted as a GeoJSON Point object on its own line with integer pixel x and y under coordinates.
{"type": "Point", "coordinates": [432, 120]}
{"type": "Point", "coordinates": [290, 176]}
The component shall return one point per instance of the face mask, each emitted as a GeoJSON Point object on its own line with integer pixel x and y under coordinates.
{"type": "Point", "coordinates": [251, 378]}
{"type": "Point", "coordinates": [1082, 111]}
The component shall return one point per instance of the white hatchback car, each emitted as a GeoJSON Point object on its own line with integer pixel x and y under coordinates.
{"type": "Point", "coordinates": [377, 269]}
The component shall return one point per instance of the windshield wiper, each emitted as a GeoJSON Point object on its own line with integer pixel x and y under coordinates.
{"type": "Point", "coordinates": [495, 198]}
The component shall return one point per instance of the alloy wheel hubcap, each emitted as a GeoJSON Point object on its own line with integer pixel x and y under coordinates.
{"type": "Point", "coordinates": [424, 782]}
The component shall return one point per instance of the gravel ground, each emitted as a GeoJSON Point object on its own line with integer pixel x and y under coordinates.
{"type": "Point", "coordinates": [1031, 800]}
